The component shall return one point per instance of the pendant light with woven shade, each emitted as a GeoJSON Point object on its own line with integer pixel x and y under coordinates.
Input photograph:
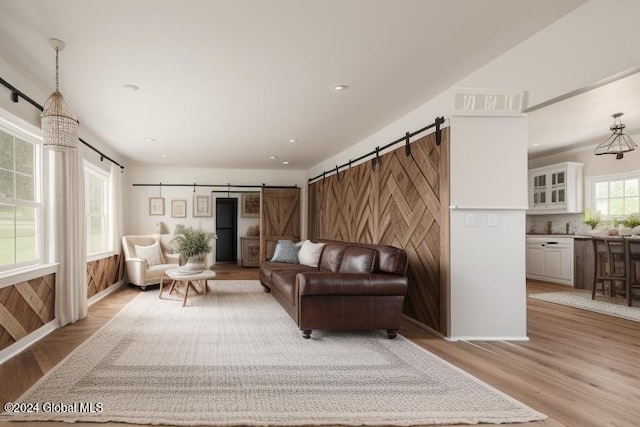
{"type": "Point", "coordinates": [59, 126]}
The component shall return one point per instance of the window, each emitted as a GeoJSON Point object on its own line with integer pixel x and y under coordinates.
{"type": "Point", "coordinates": [20, 202]}
{"type": "Point", "coordinates": [96, 185]}
{"type": "Point", "coordinates": [616, 197]}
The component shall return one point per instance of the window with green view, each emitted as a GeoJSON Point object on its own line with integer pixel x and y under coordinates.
{"type": "Point", "coordinates": [96, 183]}
{"type": "Point", "coordinates": [19, 202]}
{"type": "Point", "coordinates": [616, 197]}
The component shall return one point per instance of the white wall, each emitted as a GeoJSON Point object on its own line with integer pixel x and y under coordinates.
{"type": "Point", "coordinates": [138, 221]}
{"type": "Point", "coordinates": [488, 260]}
{"type": "Point", "coordinates": [563, 57]}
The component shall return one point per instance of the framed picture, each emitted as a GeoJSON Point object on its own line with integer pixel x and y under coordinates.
{"type": "Point", "coordinates": [201, 205]}
{"type": "Point", "coordinates": [178, 209]}
{"type": "Point", "coordinates": [250, 205]}
{"type": "Point", "coordinates": [156, 205]}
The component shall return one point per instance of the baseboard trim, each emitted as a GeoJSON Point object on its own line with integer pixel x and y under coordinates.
{"type": "Point", "coordinates": [423, 326]}
{"type": "Point", "coordinates": [35, 336]}
{"type": "Point", "coordinates": [525, 338]}
{"type": "Point", "coordinates": [97, 297]}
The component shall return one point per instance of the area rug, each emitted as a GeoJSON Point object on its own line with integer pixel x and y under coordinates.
{"type": "Point", "coordinates": [582, 300]}
{"type": "Point", "coordinates": [234, 357]}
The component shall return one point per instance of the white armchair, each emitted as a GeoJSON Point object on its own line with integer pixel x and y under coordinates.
{"type": "Point", "coordinates": [150, 266]}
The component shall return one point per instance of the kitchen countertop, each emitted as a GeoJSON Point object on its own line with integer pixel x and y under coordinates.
{"type": "Point", "coordinates": [579, 236]}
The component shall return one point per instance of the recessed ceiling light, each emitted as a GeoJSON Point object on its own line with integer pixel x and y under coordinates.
{"type": "Point", "coordinates": [164, 156]}
{"type": "Point", "coordinates": [285, 163]}
{"type": "Point", "coordinates": [131, 87]}
{"type": "Point", "coordinates": [273, 157]}
{"type": "Point", "coordinates": [293, 140]}
{"type": "Point", "coordinates": [150, 139]}
{"type": "Point", "coordinates": [339, 88]}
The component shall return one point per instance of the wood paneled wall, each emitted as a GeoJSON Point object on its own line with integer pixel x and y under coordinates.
{"type": "Point", "coordinates": [403, 202]}
{"type": "Point", "coordinates": [25, 307]}
{"type": "Point", "coordinates": [103, 273]}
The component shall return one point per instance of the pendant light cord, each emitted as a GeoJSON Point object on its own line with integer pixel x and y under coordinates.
{"type": "Point", "coordinates": [57, 70]}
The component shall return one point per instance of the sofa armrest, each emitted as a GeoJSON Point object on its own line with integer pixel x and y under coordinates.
{"type": "Point", "coordinates": [328, 283]}
{"type": "Point", "coordinates": [136, 269]}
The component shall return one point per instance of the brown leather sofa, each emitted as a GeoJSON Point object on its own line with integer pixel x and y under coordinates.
{"type": "Point", "coordinates": [354, 287]}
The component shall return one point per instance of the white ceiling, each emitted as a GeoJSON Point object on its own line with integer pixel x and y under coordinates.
{"type": "Point", "coordinates": [584, 120]}
{"type": "Point", "coordinates": [228, 83]}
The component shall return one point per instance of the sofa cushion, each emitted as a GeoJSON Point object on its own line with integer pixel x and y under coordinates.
{"type": "Point", "coordinates": [286, 251]}
{"type": "Point", "coordinates": [358, 259]}
{"type": "Point", "coordinates": [152, 253]}
{"type": "Point", "coordinates": [331, 258]}
{"type": "Point", "coordinates": [268, 267]}
{"type": "Point", "coordinates": [310, 253]}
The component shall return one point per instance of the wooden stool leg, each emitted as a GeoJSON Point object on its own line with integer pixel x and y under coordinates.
{"type": "Point", "coordinates": [160, 294]}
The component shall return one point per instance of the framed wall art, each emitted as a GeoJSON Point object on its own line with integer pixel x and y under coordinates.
{"type": "Point", "coordinates": [156, 205]}
{"type": "Point", "coordinates": [201, 205]}
{"type": "Point", "coordinates": [178, 209]}
{"type": "Point", "coordinates": [250, 205]}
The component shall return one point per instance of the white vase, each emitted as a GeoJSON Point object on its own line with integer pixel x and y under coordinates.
{"type": "Point", "coordinates": [195, 264]}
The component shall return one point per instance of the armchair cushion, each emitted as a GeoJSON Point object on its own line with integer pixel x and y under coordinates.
{"type": "Point", "coordinates": [151, 253]}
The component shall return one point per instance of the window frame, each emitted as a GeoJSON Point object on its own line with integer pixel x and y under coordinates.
{"type": "Point", "coordinates": [90, 168]}
{"type": "Point", "coordinates": [10, 126]}
{"type": "Point", "coordinates": [590, 189]}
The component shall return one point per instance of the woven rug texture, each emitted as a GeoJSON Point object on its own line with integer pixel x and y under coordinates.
{"type": "Point", "coordinates": [604, 305]}
{"type": "Point", "coordinates": [234, 357]}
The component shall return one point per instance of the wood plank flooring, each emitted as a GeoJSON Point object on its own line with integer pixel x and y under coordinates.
{"type": "Point", "coordinates": [579, 368]}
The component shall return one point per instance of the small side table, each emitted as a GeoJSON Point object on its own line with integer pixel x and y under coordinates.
{"type": "Point", "coordinates": [189, 280]}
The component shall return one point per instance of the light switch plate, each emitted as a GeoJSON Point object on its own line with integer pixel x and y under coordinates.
{"type": "Point", "coordinates": [470, 220]}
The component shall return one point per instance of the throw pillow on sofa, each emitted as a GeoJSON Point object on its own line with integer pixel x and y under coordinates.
{"type": "Point", "coordinates": [286, 251]}
{"type": "Point", "coordinates": [152, 253]}
{"type": "Point", "coordinates": [310, 253]}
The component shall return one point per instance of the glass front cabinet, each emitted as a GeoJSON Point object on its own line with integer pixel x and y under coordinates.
{"type": "Point", "coordinates": [556, 188]}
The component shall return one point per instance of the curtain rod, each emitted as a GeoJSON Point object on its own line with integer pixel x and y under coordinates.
{"type": "Point", "coordinates": [16, 94]}
{"type": "Point", "coordinates": [227, 186]}
{"type": "Point", "coordinates": [437, 122]}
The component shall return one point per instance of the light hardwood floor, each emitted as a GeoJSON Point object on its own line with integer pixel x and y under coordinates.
{"type": "Point", "coordinates": [579, 368]}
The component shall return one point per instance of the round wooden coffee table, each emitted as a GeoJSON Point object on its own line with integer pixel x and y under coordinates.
{"type": "Point", "coordinates": [189, 280]}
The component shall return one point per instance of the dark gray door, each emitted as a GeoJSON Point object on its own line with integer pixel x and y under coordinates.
{"type": "Point", "coordinates": [226, 229]}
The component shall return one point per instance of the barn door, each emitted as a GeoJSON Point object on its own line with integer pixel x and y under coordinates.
{"type": "Point", "coordinates": [280, 218]}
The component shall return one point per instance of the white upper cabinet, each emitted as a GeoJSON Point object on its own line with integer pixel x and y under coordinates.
{"type": "Point", "coordinates": [556, 189]}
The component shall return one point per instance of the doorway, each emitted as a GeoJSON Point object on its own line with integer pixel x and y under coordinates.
{"type": "Point", "coordinates": [227, 230]}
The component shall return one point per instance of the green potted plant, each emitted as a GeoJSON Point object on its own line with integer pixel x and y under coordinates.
{"type": "Point", "coordinates": [592, 220]}
{"type": "Point", "coordinates": [632, 220]}
{"type": "Point", "coordinates": [193, 245]}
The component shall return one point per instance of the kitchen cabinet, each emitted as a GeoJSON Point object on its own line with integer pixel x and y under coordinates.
{"type": "Point", "coordinates": [550, 259]}
{"type": "Point", "coordinates": [556, 189]}
{"type": "Point", "coordinates": [584, 260]}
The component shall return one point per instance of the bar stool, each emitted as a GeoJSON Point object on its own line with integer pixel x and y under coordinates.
{"type": "Point", "coordinates": [633, 263]}
{"type": "Point", "coordinates": [612, 259]}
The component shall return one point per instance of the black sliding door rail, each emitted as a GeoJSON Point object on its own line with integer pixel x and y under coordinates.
{"type": "Point", "coordinates": [16, 94]}
{"type": "Point", "coordinates": [376, 153]}
{"type": "Point", "coordinates": [228, 187]}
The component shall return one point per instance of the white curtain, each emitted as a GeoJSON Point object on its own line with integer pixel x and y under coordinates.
{"type": "Point", "coordinates": [115, 177]}
{"type": "Point", "coordinates": [70, 238]}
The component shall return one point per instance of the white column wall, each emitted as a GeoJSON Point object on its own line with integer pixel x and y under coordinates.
{"type": "Point", "coordinates": [488, 181]}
